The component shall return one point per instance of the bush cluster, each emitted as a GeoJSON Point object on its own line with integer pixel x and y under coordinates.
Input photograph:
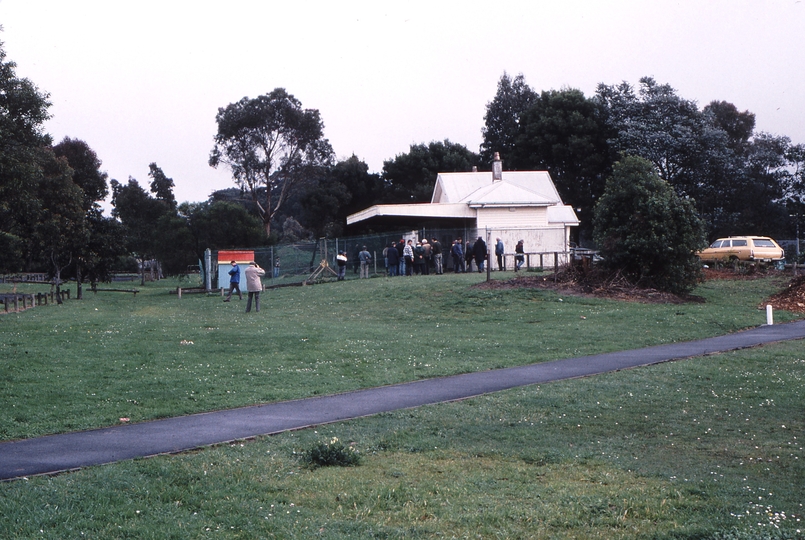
{"type": "Point", "coordinates": [333, 453]}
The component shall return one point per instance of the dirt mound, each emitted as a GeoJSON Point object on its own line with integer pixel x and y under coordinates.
{"type": "Point", "coordinates": [591, 284]}
{"type": "Point", "coordinates": [744, 272]}
{"type": "Point", "coordinates": [792, 298]}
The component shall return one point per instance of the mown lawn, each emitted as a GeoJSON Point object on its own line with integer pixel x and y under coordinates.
{"type": "Point", "coordinates": [703, 448]}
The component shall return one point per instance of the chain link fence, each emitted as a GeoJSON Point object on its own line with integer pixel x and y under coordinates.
{"type": "Point", "coordinates": [293, 263]}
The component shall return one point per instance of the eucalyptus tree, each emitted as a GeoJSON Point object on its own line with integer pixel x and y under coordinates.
{"type": "Point", "coordinates": [271, 145]}
{"type": "Point", "coordinates": [666, 129]}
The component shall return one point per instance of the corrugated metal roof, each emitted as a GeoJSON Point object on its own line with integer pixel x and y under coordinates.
{"type": "Point", "coordinates": [477, 188]}
{"type": "Point", "coordinates": [562, 213]}
{"type": "Point", "coordinates": [457, 195]}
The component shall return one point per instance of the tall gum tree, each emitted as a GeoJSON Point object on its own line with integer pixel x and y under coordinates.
{"type": "Point", "coordinates": [23, 112]}
{"type": "Point", "coordinates": [271, 145]}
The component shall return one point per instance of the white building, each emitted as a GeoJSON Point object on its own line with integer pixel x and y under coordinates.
{"type": "Point", "coordinates": [511, 205]}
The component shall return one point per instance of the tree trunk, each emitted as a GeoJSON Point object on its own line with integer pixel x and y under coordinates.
{"type": "Point", "coordinates": [79, 290]}
{"type": "Point", "coordinates": [57, 279]}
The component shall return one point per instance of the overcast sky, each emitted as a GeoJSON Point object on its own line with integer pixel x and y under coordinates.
{"type": "Point", "coordinates": [142, 81]}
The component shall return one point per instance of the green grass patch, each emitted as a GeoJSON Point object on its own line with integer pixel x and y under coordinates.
{"type": "Point", "coordinates": [87, 363]}
{"type": "Point", "coordinates": [708, 448]}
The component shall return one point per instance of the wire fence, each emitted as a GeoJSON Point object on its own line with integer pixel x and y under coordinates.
{"type": "Point", "coordinates": [293, 263]}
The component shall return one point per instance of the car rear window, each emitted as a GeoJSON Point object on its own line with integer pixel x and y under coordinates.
{"type": "Point", "coordinates": [738, 243]}
{"type": "Point", "coordinates": [762, 242]}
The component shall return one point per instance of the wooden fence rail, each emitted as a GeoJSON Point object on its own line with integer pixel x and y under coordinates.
{"type": "Point", "coordinates": [16, 302]}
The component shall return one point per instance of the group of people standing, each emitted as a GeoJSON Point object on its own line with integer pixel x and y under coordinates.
{"type": "Point", "coordinates": [463, 255]}
{"type": "Point", "coordinates": [404, 258]}
{"type": "Point", "coordinates": [410, 257]}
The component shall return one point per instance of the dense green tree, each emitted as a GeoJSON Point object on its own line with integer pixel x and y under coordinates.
{"type": "Point", "coordinates": [271, 145]}
{"type": "Point", "coordinates": [162, 186]}
{"type": "Point", "coordinates": [737, 179]}
{"type": "Point", "coordinates": [739, 126]}
{"type": "Point", "coordinates": [174, 244]}
{"type": "Point", "coordinates": [222, 225]}
{"type": "Point", "coordinates": [61, 230]}
{"type": "Point", "coordinates": [321, 207]}
{"type": "Point", "coordinates": [344, 189]}
{"type": "Point", "coordinates": [759, 198]}
{"type": "Point", "coordinates": [87, 172]}
{"type": "Point", "coordinates": [565, 133]}
{"type": "Point", "coordinates": [87, 175]}
{"type": "Point", "coordinates": [105, 247]}
{"type": "Point", "coordinates": [502, 118]}
{"type": "Point", "coordinates": [646, 231]}
{"type": "Point", "coordinates": [364, 188]}
{"type": "Point", "coordinates": [409, 178]}
{"type": "Point", "coordinates": [794, 185]}
{"type": "Point", "coordinates": [23, 111]}
{"type": "Point", "coordinates": [667, 130]}
{"type": "Point", "coordinates": [140, 214]}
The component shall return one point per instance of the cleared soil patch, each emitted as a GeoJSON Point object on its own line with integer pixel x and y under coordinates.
{"type": "Point", "coordinates": [792, 298]}
{"type": "Point", "coordinates": [576, 283]}
{"type": "Point", "coordinates": [590, 284]}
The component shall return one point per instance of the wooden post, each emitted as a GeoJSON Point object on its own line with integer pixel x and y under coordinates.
{"type": "Point", "coordinates": [179, 292]}
{"type": "Point", "coordinates": [555, 266]}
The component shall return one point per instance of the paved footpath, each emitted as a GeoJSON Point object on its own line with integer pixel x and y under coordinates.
{"type": "Point", "coordinates": [58, 453]}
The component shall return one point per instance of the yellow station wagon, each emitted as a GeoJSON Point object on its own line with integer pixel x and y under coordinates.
{"type": "Point", "coordinates": [743, 248]}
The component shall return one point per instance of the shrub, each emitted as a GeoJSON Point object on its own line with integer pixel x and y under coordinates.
{"type": "Point", "coordinates": [332, 453]}
{"type": "Point", "coordinates": [647, 232]}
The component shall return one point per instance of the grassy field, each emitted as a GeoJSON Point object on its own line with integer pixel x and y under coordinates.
{"type": "Point", "coordinates": [704, 448]}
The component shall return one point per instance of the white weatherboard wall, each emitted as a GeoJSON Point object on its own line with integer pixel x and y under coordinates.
{"type": "Point", "coordinates": [513, 217]}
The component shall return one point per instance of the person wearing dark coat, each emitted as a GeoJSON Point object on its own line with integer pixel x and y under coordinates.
{"type": "Point", "coordinates": [479, 250]}
{"type": "Point", "coordinates": [437, 255]}
{"type": "Point", "coordinates": [458, 256]}
{"type": "Point", "coordinates": [393, 257]}
{"type": "Point", "coordinates": [469, 255]}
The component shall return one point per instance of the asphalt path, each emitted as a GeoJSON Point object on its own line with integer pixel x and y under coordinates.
{"type": "Point", "coordinates": [58, 453]}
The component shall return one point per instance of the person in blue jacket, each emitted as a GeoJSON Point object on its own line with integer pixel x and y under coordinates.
{"type": "Point", "coordinates": [234, 282]}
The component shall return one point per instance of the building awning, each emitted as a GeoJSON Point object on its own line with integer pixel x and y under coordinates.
{"type": "Point", "coordinates": [563, 213]}
{"type": "Point", "coordinates": [418, 210]}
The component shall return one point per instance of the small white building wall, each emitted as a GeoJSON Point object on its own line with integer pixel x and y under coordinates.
{"type": "Point", "coordinates": [522, 217]}
{"type": "Point", "coordinates": [546, 241]}
{"type": "Point", "coordinates": [529, 224]}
